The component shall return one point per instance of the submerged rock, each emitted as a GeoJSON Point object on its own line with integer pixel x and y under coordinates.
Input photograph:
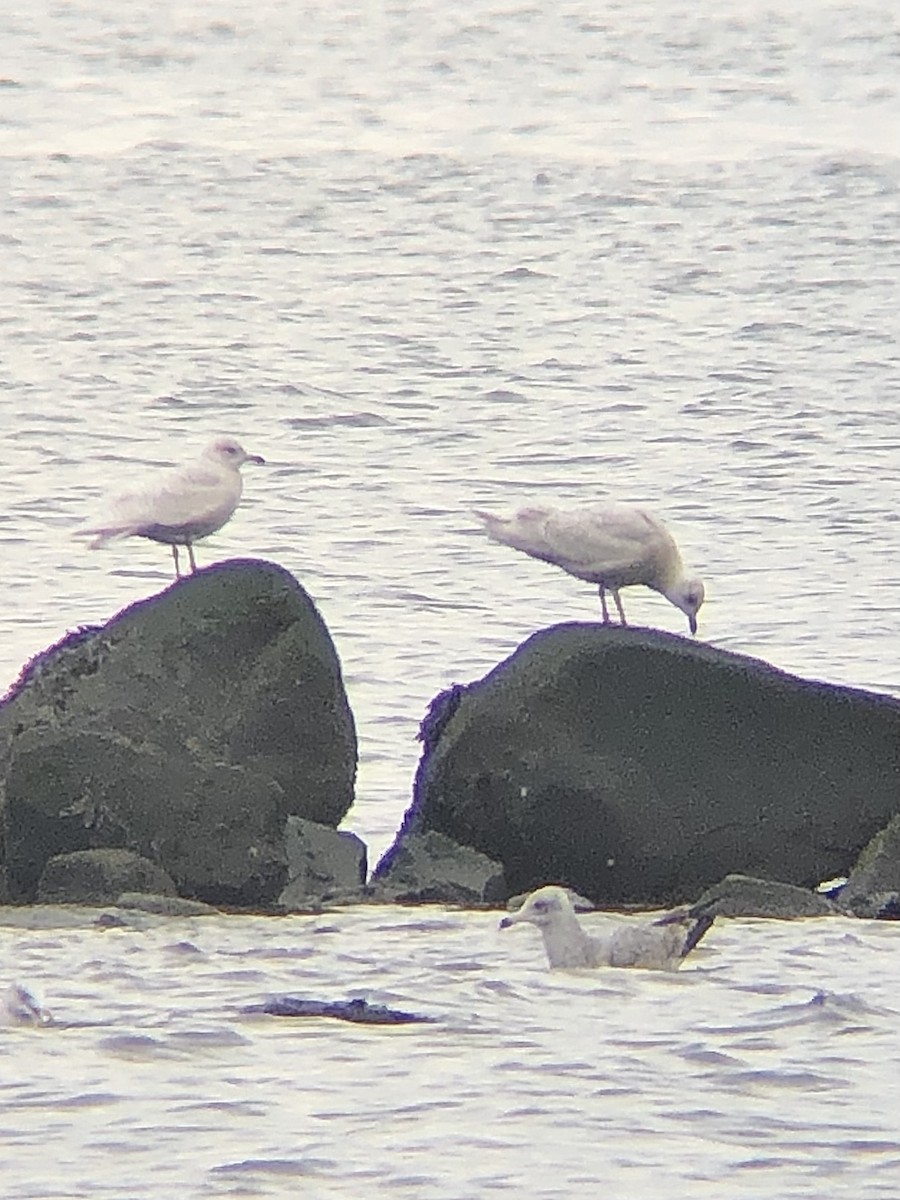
{"type": "Point", "coordinates": [358, 1011]}
{"type": "Point", "coordinates": [165, 906]}
{"type": "Point", "coordinates": [640, 768]}
{"type": "Point", "coordinates": [186, 730]}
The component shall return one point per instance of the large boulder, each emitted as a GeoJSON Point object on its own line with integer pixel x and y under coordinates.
{"type": "Point", "coordinates": [186, 730]}
{"type": "Point", "coordinates": [640, 768]}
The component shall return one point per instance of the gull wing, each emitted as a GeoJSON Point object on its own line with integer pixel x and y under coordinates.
{"type": "Point", "coordinates": [658, 947]}
{"type": "Point", "coordinates": [193, 498]}
{"type": "Point", "coordinates": [602, 538]}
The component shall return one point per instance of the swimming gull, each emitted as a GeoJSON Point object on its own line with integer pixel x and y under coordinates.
{"type": "Point", "coordinates": [614, 546]}
{"type": "Point", "coordinates": [658, 945]}
{"type": "Point", "coordinates": [186, 504]}
{"type": "Point", "coordinates": [19, 1007]}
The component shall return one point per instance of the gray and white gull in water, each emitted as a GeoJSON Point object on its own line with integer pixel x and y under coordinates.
{"type": "Point", "coordinates": [614, 546]}
{"type": "Point", "coordinates": [184, 505]}
{"type": "Point", "coordinates": [659, 945]}
{"type": "Point", "coordinates": [19, 1007]}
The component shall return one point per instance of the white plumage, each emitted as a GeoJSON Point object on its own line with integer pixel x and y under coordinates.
{"type": "Point", "coordinates": [611, 545]}
{"type": "Point", "coordinates": [658, 945]}
{"type": "Point", "coordinates": [19, 1007]}
{"type": "Point", "coordinates": [186, 504]}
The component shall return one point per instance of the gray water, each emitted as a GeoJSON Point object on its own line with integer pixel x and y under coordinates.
{"type": "Point", "coordinates": [424, 258]}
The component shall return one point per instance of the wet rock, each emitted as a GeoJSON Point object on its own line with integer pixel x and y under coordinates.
{"type": "Point", "coordinates": [744, 896]}
{"type": "Point", "coordinates": [187, 730]}
{"type": "Point", "coordinates": [873, 886]}
{"type": "Point", "coordinates": [640, 768]}
{"type": "Point", "coordinates": [430, 868]}
{"type": "Point", "coordinates": [360, 1012]}
{"type": "Point", "coordinates": [165, 905]}
{"type": "Point", "coordinates": [322, 862]}
{"type": "Point", "coordinates": [99, 876]}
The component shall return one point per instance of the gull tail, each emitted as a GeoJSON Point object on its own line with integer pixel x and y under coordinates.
{"type": "Point", "coordinates": [495, 527]}
{"type": "Point", "coordinates": [697, 924]}
{"type": "Point", "coordinates": [695, 933]}
{"type": "Point", "coordinates": [100, 535]}
{"type": "Point", "coordinates": [488, 518]}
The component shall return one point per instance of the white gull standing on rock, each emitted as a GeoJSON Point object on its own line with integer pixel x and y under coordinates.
{"type": "Point", "coordinates": [613, 546]}
{"type": "Point", "coordinates": [658, 945]}
{"type": "Point", "coordinates": [186, 504]}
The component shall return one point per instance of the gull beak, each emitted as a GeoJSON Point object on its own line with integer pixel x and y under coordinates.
{"type": "Point", "coordinates": [505, 923]}
{"type": "Point", "coordinates": [692, 621]}
{"type": "Point", "coordinates": [255, 458]}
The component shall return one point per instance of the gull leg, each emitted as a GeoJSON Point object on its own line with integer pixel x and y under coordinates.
{"type": "Point", "coordinates": [603, 605]}
{"type": "Point", "coordinates": [618, 600]}
{"type": "Point", "coordinates": [190, 550]}
{"type": "Point", "coordinates": [175, 556]}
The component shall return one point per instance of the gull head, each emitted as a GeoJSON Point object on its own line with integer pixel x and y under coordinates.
{"type": "Point", "coordinates": [688, 595]}
{"type": "Point", "coordinates": [542, 908]}
{"type": "Point", "coordinates": [230, 453]}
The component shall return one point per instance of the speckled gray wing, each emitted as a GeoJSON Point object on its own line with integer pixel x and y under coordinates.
{"type": "Point", "coordinates": [600, 541]}
{"type": "Point", "coordinates": [190, 503]}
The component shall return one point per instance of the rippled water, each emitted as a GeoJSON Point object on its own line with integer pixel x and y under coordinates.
{"type": "Point", "coordinates": [766, 1067]}
{"type": "Point", "coordinates": [424, 257]}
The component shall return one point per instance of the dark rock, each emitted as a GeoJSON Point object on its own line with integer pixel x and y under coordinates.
{"type": "Point", "coordinates": [359, 1011]}
{"type": "Point", "coordinates": [440, 710]}
{"type": "Point", "coordinates": [430, 868]}
{"type": "Point", "coordinates": [165, 905]}
{"type": "Point", "coordinates": [743, 896]}
{"type": "Point", "coordinates": [874, 883]}
{"type": "Point", "coordinates": [321, 862]}
{"type": "Point", "coordinates": [888, 907]}
{"type": "Point", "coordinates": [640, 768]}
{"type": "Point", "coordinates": [108, 920]}
{"type": "Point", "coordinates": [187, 730]}
{"type": "Point", "coordinates": [99, 876]}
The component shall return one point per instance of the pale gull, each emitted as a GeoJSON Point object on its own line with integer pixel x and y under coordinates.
{"type": "Point", "coordinates": [613, 546]}
{"type": "Point", "coordinates": [19, 1007]}
{"type": "Point", "coordinates": [185, 504]}
{"type": "Point", "coordinates": [658, 945]}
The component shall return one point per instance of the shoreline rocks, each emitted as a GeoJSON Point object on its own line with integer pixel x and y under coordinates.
{"type": "Point", "coordinates": [186, 730]}
{"type": "Point", "coordinates": [200, 748]}
{"type": "Point", "coordinates": [640, 768]}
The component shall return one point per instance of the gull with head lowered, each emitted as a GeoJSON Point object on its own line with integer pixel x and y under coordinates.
{"type": "Point", "coordinates": [186, 504]}
{"type": "Point", "coordinates": [659, 945]}
{"type": "Point", "coordinates": [613, 546]}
